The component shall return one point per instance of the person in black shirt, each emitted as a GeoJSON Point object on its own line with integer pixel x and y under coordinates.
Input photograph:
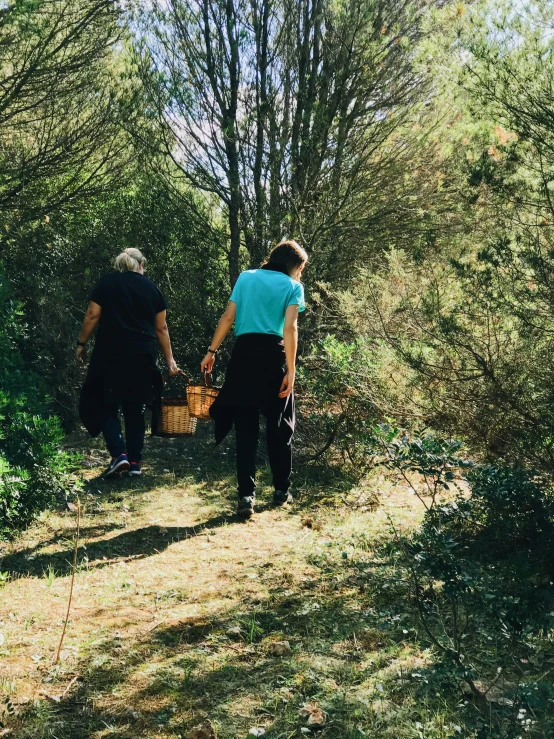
{"type": "Point", "coordinates": [130, 311]}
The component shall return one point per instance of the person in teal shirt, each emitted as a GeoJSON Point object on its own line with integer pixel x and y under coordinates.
{"type": "Point", "coordinates": [264, 308]}
{"type": "Point", "coordinates": [261, 297]}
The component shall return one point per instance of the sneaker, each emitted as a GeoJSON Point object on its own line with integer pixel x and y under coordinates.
{"type": "Point", "coordinates": [134, 469]}
{"type": "Point", "coordinates": [246, 507]}
{"type": "Point", "coordinates": [117, 466]}
{"type": "Point", "coordinates": [280, 498]}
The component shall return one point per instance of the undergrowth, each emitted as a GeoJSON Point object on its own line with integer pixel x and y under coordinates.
{"type": "Point", "coordinates": [397, 618]}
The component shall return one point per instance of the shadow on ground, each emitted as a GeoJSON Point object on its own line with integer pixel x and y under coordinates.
{"type": "Point", "coordinates": [174, 675]}
{"type": "Point", "coordinates": [133, 544]}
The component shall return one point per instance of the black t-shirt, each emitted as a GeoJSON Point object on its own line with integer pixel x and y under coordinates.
{"type": "Point", "coordinates": [127, 325]}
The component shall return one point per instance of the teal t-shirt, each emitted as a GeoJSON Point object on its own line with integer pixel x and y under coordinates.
{"type": "Point", "coordinates": [262, 297]}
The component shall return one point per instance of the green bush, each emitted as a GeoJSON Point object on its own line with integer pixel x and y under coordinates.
{"type": "Point", "coordinates": [342, 395]}
{"type": "Point", "coordinates": [428, 456]}
{"type": "Point", "coordinates": [480, 572]}
{"type": "Point", "coordinates": [33, 470]}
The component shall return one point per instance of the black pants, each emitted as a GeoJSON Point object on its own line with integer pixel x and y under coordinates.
{"type": "Point", "coordinates": [247, 429]}
{"type": "Point", "coordinates": [133, 413]}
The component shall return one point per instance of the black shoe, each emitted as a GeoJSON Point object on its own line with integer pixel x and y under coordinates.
{"type": "Point", "coordinates": [281, 498]}
{"type": "Point", "coordinates": [117, 466]}
{"type": "Point", "coordinates": [246, 507]}
{"type": "Point", "coordinates": [134, 469]}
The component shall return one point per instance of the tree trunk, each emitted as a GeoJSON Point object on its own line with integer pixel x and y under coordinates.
{"type": "Point", "coordinates": [231, 147]}
{"type": "Point", "coordinates": [261, 20]}
{"type": "Point", "coordinates": [234, 233]}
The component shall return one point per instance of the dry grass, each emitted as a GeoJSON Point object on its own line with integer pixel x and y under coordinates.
{"type": "Point", "coordinates": [176, 604]}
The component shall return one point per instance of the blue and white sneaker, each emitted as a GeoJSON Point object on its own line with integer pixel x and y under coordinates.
{"type": "Point", "coordinates": [134, 469]}
{"type": "Point", "coordinates": [117, 466]}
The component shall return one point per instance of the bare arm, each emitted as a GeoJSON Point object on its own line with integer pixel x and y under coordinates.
{"type": "Point", "coordinates": [162, 334]}
{"type": "Point", "coordinates": [92, 316]}
{"type": "Point", "coordinates": [290, 336]}
{"type": "Point", "coordinates": [223, 327]}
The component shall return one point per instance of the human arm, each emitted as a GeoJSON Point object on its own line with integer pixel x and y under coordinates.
{"type": "Point", "coordinates": [92, 316]}
{"type": "Point", "coordinates": [223, 327]}
{"type": "Point", "coordinates": [162, 334]}
{"type": "Point", "coordinates": [290, 336]}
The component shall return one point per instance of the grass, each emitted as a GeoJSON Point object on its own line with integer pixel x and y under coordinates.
{"type": "Point", "coordinates": [176, 606]}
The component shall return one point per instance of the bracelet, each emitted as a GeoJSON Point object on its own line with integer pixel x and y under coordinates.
{"type": "Point", "coordinates": [213, 351]}
{"type": "Point", "coordinates": [81, 343]}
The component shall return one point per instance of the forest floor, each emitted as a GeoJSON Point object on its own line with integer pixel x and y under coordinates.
{"type": "Point", "coordinates": [178, 608]}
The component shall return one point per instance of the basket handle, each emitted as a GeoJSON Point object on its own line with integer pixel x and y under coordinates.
{"type": "Point", "coordinates": [207, 378]}
{"type": "Point", "coordinates": [166, 377]}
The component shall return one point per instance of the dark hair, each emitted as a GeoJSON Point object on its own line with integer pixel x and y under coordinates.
{"type": "Point", "coordinates": [286, 257]}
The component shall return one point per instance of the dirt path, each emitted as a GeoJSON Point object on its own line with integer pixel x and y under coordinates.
{"type": "Point", "coordinates": [178, 606]}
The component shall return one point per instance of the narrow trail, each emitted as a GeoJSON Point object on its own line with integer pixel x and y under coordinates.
{"type": "Point", "coordinates": [178, 607]}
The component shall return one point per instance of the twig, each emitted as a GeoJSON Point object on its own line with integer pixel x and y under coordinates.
{"type": "Point", "coordinates": [66, 691]}
{"type": "Point", "coordinates": [153, 628]}
{"type": "Point", "coordinates": [72, 580]}
{"type": "Point", "coordinates": [328, 443]}
{"type": "Point", "coordinates": [499, 674]}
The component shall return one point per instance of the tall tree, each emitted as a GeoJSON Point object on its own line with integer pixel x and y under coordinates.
{"type": "Point", "coordinates": [59, 107]}
{"type": "Point", "coordinates": [281, 107]}
{"type": "Point", "coordinates": [474, 322]}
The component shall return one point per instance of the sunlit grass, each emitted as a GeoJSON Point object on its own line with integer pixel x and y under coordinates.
{"type": "Point", "coordinates": [177, 604]}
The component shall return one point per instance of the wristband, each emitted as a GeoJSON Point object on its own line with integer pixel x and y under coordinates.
{"type": "Point", "coordinates": [81, 343]}
{"type": "Point", "coordinates": [212, 351]}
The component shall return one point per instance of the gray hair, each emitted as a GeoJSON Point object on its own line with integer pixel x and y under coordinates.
{"type": "Point", "coordinates": [129, 261]}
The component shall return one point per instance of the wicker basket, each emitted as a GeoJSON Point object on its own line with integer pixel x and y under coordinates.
{"type": "Point", "coordinates": [200, 398]}
{"type": "Point", "coordinates": [175, 418]}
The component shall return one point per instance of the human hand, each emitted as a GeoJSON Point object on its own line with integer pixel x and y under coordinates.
{"type": "Point", "coordinates": [80, 354]}
{"type": "Point", "coordinates": [206, 365]}
{"type": "Point", "coordinates": [172, 367]}
{"type": "Point", "coordinates": [287, 385]}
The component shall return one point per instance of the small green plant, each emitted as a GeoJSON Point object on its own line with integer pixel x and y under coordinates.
{"type": "Point", "coordinates": [7, 709]}
{"type": "Point", "coordinates": [252, 628]}
{"type": "Point", "coordinates": [433, 459]}
{"type": "Point", "coordinates": [50, 576]}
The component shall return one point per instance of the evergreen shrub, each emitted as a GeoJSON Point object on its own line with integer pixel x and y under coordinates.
{"type": "Point", "coordinates": [33, 469]}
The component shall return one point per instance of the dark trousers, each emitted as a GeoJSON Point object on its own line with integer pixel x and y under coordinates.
{"type": "Point", "coordinates": [247, 430]}
{"type": "Point", "coordinates": [133, 413]}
